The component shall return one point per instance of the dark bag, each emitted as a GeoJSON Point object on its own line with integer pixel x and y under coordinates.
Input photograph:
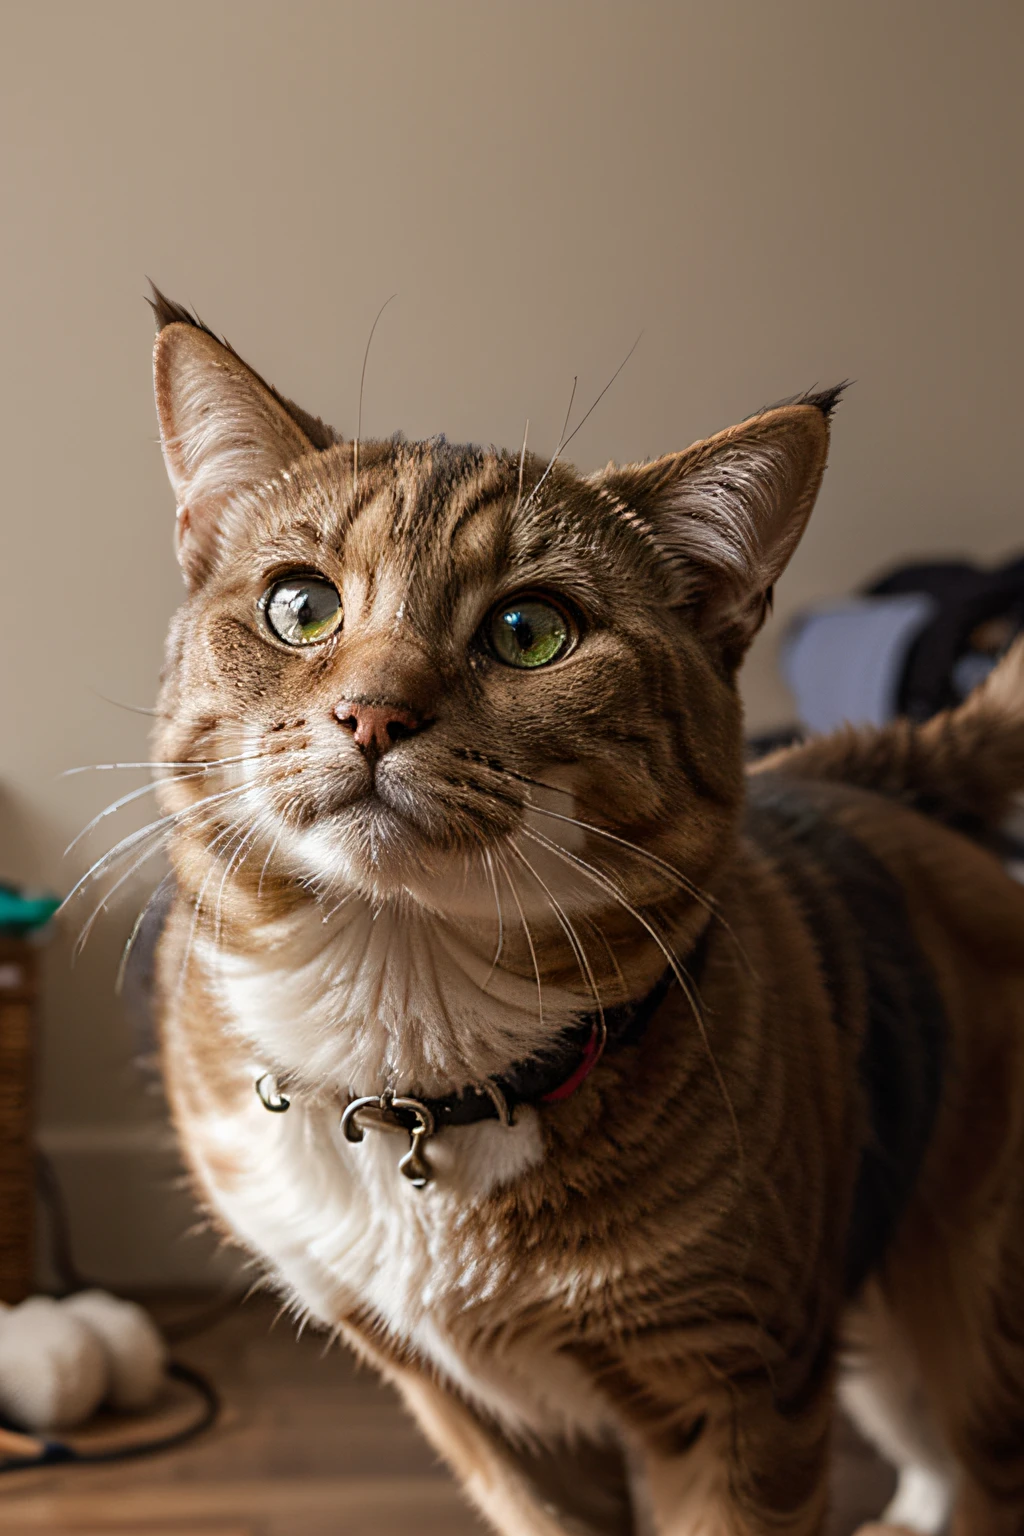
{"type": "Point", "coordinates": [977, 615]}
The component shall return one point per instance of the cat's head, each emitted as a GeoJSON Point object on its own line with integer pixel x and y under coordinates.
{"type": "Point", "coordinates": [387, 648]}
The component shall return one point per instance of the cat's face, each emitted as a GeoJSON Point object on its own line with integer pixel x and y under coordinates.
{"type": "Point", "coordinates": [401, 651]}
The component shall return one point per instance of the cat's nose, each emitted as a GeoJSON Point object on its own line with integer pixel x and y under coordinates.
{"type": "Point", "coordinates": [377, 724]}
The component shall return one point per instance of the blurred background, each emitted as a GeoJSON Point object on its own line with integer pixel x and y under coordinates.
{"type": "Point", "coordinates": [774, 195]}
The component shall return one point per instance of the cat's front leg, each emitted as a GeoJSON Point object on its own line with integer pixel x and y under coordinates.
{"type": "Point", "coordinates": [522, 1489]}
{"type": "Point", "coordinates": [752, 1472]}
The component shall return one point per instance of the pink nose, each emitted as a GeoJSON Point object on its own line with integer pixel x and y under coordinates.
{"type": "Point", "coordinates": [376, 724]}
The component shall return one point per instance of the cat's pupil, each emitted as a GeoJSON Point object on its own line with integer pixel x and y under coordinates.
{"type": "Point", "coordinates": [521, 627]}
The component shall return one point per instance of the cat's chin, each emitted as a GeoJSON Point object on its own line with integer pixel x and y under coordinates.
{"type": "Point", "coordinates": [371, 849]}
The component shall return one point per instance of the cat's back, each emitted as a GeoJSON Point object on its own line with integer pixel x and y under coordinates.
{"type": "Point", "coordinates": [892, 868]}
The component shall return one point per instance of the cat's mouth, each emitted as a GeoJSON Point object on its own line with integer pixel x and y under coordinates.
{"type": "Point", "coordinates": [371, 794]}
{"type": "Point", "coordinates": [393, 830]}
{"type": "Point", "coordinates": [390, 806]}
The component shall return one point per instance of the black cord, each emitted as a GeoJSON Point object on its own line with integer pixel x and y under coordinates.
{"type": "Point", "coordinates": [69, 1277]}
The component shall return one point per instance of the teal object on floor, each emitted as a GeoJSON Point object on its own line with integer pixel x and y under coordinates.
{"type": "Point", "coordinates": [20, 914]}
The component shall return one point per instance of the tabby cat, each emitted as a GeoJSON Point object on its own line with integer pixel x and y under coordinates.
{"type": "Point", "coordinates": [623, 1107]}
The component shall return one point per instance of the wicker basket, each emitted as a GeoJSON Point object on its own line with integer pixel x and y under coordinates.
{"type": "Point", "coordinates": [17, 1184]}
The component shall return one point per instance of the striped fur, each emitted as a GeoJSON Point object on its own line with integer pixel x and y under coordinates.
{"type": "Point", "coordinates": [635, 1299]}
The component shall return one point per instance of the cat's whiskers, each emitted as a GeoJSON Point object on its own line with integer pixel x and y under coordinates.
{"type": "Point", "coordinates": [132, 709]}
{"type": "Point", "coordinates": [526, 930]}
{"type": "Point", "coordinates": [560, 445]}
{"type": "Point", "coordinates": [702, 897]}
{"type": "Point", "coordinates": [152, 839]}
{"type": "Point", "coordinates": [611, 888]}
{"type": "Point", "coordinates": [488, 862]}
{"type": "Point", "coordinates": [333, 911]}
{"type": "Point", "coordinates": [275, 842]}
{"type": "Point", "coordinates": [213, 850]}
{"type": "Point", "coordinates": [155, 829]}
{"type": "Point", "coordinates": [677, 875]}
{"type": "Point", "coordinates": [565, 924]}
{"type": "Point", "coordinates": [240, 850]}
{"type": "Point", "coordinates": [117, 805]}
{"type": "Point", "coordinates": [197, 770]}
{"type": "Point", "coordinates": [686, 983]}
{"type": "Point", "coordinates": [108, 895]}
{"type": "Point", "coordinates": [522, 466]}
{"type": "Point", "coordinates": [609, 951]}
{"type": "Point", "coordinates": [314, 886]}
{"type": "Point", "coordinates": [157, 843]}
{"type": "Point", "coordinates": [362, 385]}
{"type": "Point", "coordinates": [194, 762]}
{"type": "Point", "coordinates": [137, 926]}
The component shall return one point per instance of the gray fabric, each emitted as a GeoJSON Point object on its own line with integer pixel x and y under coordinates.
{"type": "Point", "coordinates": [843, 662]}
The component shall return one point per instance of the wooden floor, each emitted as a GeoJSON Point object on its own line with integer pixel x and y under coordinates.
{"type": "Point", "coordinates": [309, 1445]}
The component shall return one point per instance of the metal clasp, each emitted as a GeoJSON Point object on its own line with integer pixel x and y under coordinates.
{"type": "Point", "coordinates": [270, 1096]}
{"type": "Point", "coordinates": [385, 1112]}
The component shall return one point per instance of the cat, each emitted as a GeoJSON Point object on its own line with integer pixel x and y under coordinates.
{"type": "Point", "coordinates": [622, 1106]}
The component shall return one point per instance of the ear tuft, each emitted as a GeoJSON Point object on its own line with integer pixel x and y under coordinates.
{"type": "Point", "coordinates": [823, 400]}
{"type": "Point", "coordinates": [826, 400]}
{"type": "Point", "coordinates": [168, 312]}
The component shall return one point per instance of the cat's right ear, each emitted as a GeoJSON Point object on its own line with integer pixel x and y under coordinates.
{"type": "Point", "coordinates": [221, 428]}
{"type": "Point", "coordinates": [728, 513]}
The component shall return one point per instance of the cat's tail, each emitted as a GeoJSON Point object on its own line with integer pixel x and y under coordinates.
{"type": "Point", "coordinates": [964, 766]}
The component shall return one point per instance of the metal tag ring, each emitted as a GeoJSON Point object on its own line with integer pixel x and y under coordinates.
{"type": "Point", "coordinates": [381, 1110]}
{"type": "Point", "coordinates": [378, 1110]}
{"type": "Point", "coordinates": [270, 1096]}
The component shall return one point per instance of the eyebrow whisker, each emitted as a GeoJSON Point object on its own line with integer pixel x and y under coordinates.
{"type": "Point", "coordinates": [522, 466]}
{"type": "Point", "coordinates": [564, 441]}
{"type": "Point", "coordinates": [362, 382]}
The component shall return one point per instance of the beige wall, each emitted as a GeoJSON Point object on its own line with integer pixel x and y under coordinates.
{"type": "Point", "coordinates": [777, 193]}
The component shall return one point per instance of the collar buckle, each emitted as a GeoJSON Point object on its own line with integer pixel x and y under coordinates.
{"type": "Point", "coordinates": [388, 1112]}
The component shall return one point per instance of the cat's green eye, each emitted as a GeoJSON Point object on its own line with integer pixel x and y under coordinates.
{"type": "Point", "coordinates": [528, 632]}
{"type": "Point", "coordinates": [302, 609]}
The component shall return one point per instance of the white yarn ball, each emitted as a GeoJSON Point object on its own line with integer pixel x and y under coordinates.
{"type": "Point", "coordinates": [136, 1353]}
{"type": "Point", "coordinates": [53, 1367]}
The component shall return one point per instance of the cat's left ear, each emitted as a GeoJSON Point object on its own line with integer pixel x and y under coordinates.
{"type": "Point", "coordinates": [222, 427]}
{"type": "Point", "coordinates": [729, 512]}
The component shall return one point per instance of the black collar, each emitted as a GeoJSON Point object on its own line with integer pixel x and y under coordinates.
{"type": "Point", "coordinates": [547, 1079]}
{"type": "Point", "coordinates": [554, 1077]}
{"type": "Point", "coordinates": [544, 1081]}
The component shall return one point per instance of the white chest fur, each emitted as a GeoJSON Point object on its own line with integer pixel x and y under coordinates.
{"type": "Point", "coordinates": [340, 1228]}
{"type": "Point", "coordinates": [376, 998]}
